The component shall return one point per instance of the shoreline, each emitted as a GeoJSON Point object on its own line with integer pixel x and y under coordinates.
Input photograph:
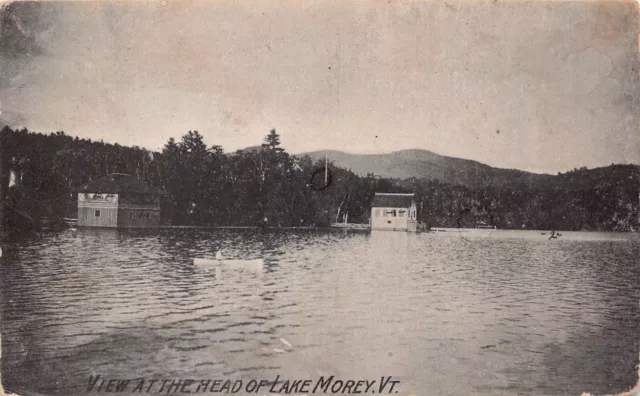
{"type": "Point", "coordinates": [72, 223]}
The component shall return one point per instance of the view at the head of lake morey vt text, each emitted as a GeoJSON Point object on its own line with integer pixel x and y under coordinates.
{"type": "Point", "coordinates": [321, 198]}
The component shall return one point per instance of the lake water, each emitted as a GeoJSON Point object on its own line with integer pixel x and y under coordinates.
{"type": "Point", "coordinates": [445, 313]}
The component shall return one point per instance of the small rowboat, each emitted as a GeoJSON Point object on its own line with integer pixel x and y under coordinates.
{"type": "Point", "coordinates": [245, 265]}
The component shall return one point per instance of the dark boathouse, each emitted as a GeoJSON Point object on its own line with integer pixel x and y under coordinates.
{"type": "Point", "coordinates": [118, 201]}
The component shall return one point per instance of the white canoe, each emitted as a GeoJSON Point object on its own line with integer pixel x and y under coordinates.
{"type": "Point", "coordinates": [246, 265]}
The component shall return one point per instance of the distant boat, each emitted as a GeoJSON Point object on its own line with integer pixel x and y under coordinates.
{"type": "Point", "coordinates": [245, 265]}
{"type": "Point", "coordinates": [484, 226]}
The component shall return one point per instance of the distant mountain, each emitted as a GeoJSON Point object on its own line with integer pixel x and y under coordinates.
{"type": "Point", "coordinates": [250, 149]}
{"type": "Point", "coordinates": [423, 164]}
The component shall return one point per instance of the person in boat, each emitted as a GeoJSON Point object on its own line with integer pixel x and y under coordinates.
{"type": "Point", "coordinates": [553, 235]}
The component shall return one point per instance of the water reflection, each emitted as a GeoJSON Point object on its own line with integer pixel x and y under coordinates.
{"type": "Point", "coordinates": [446, 313]}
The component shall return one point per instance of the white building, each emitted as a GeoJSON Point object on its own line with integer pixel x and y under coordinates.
{"type": "Point", "coordinates": [394, 212]}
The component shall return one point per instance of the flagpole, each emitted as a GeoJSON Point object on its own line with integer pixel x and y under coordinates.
{"type": "Point", "coordinates": [325, 169]}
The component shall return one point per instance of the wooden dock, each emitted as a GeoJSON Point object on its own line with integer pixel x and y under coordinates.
{"type": "Point", "coordinates": [351, 226]}
{"type": "Point", "coordinates": [221, 227]}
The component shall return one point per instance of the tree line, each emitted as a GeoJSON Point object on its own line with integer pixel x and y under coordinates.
{"type": "Point", "coordinates": [203, 185]}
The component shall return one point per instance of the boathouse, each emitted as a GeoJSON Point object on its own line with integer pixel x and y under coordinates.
{"type": "Point", "coordinates": [394, 212]}
{"type": "Point", "coordinates": [118, 201]}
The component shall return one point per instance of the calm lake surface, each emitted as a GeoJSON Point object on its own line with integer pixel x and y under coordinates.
{"type": "Point", "coordinates": [445, 313]}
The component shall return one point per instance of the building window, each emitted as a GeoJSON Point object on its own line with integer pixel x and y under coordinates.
{"type": "Point", "coordinates": [401, 213]}
{"type": "Point", "coordinates": [377, 212]}
{"type": "Point", "coordinates": [97, 213]}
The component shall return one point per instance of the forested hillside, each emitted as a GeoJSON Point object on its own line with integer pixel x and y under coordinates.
{"type": "Point", "coordinates": [206, 186]}
{"type": "Point", "coordinates": [423, 164]}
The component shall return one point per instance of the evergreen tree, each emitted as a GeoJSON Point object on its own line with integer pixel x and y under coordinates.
{"type": "Point", "coordinates": [272, 141]}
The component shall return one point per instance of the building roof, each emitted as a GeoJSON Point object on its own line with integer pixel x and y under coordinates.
{"type": "Point", "coordinates": [388, 200]}
{"type": "Point", "coordinates": [117, 183]}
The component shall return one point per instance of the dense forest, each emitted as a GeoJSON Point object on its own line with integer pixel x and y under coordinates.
{"type": "Point", "coordinates": [205, 186]}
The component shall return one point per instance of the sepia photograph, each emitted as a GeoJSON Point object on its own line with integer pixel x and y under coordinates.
{"type": "Point", "coordinates": [323, 197]}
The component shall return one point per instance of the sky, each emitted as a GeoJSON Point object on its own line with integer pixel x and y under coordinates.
{"type": "Point", "coordinates": [537, 86]}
